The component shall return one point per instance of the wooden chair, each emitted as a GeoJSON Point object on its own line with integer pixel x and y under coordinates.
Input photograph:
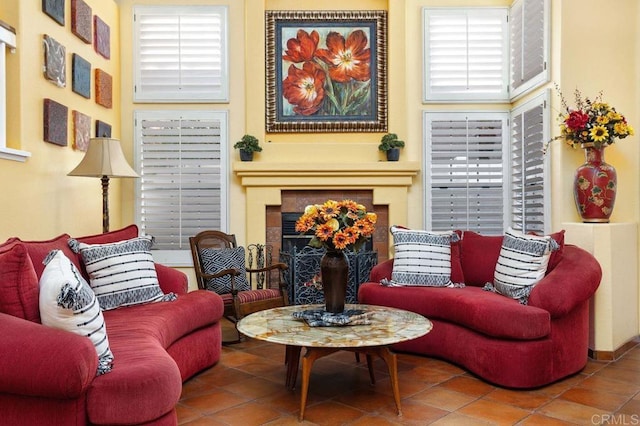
{"type": "Point", "coordinates": [244, 287]}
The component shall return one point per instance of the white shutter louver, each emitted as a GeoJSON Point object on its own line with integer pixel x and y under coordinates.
{"type": "Point", "coordinates": [466, 54]}
{"type": "Point", "coordinates": [528, 190]}
{"type": "Point", "coordinates": [465, 172]}
{"type": "Point", "coordinates": [181, 53]}
{"type": "Point", "coordinates": [182, 163]}
{"type": "Point", "coordinates": [529, 45]}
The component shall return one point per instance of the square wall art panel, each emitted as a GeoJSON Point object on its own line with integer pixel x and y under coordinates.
{"type": "Point", "coordinates": [81, 76]}
{"type": "Point", "coordinates": [81, 15]}
{"type": "Point", "coordinates": [103, 130]}
{"type": "Point", "coordinates": [102, 33]}
{"type": "Point", "coordinates": [55, 63]}
{"type": "Point", "coordinates": [55, 122]}
{"type": "Point", "coordinates": [55, 9]}
{"type": "Point", "coordinates": [103, 88]}
{"type": "Point", "coordinates": [81, 131]}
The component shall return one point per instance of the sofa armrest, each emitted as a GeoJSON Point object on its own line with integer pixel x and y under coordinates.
{"type": "Point", "coordinates": [41, 361]}
{"type": "Point", "coordinates": [172, 280]}
{"type": "Point", "coordinates": [572, 282]}
{"type": "Point", "coordinates": [381, 270]}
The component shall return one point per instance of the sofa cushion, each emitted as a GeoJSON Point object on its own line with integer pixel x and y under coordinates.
{"type": "Point", "coordinates": [39, 250]}
{"type": "Point", "coordinates": [478, 256]}
{"type": "Point", "coordinates": [68, 303]}
{"type": "Point", "coordinates": [18, 283]}
{"type": "Point", "coordinates": [522, 263]}
{"type": "Point", "coordinates": [126, 233]}
{"type": "Point", "coordinates": [422, 258]}
{"type": "Point", "coordinates": [121, 273]}
{"type": "Point", "coordinates": [216, 260]}
{"type": "Point", "coordinates": [471, 307]}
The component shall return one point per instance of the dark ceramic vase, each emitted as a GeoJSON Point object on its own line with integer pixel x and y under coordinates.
{"type": "Point", "coordinates": [246, 155]}
{"type": "Point", "coordinates": [595, 187]}
{"type": "Point", "coordinates": [334, 268]}
{"type": "Point", "coordinates": [393, 154]}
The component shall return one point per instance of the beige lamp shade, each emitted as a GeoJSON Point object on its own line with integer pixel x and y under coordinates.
{"type": "Point", "coordinates": [104, 157]}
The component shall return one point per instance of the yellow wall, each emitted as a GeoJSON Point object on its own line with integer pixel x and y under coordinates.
{"type": "Point", "coordinates": [594, 47]}
{"type": "Point", "coordinates": [38, 199]}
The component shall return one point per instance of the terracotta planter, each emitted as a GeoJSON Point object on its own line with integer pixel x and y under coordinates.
{"type": "Point", "coordinates": [334, 269]}
{"type": "Point", "coordinates": [595, 186]}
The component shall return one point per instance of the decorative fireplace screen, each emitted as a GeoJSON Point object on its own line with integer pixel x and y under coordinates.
{"type": "Point", "coordinates": [303, 278]}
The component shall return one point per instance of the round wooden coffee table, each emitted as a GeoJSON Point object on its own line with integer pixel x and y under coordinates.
{"type": "Point", "coordinates": [387, 326]}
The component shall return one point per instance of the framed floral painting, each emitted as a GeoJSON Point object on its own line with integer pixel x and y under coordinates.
{"type": "Point", "coordinates": [326, 71]}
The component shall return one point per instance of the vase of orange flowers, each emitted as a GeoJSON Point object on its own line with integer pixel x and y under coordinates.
{"type": "Point", "coordinates": [336, 226]}
{"type": "Point", "coordinates": [593, 125]}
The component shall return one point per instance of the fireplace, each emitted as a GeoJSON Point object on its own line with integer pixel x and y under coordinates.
{"type": "Point", "coordinates": [272, 188]}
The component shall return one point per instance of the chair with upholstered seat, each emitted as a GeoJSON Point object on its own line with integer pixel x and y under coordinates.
{"type": "Point", "coordinates": [247, 280]}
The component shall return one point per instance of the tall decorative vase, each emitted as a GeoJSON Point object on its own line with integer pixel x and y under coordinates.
{"type": "Point", "coordinates": [595, 186]}
{"type": "Point", "coordinates": [334, 268]}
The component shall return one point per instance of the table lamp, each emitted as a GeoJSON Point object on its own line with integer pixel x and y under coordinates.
{"type": "Point", "coordinates": [104, 159]}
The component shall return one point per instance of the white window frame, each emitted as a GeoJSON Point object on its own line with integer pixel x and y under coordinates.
{"type": "Point", "coordinates": [516, 49]}
{"type": "Point", "coordinates": [542, 100]}
{"type": "Point", "coordinates": [220, 95]}
{"type": "Point", "coordinates": [467, 95]}
{"type": "Point", "coordinates": [182, 257]}
{"type": "Point", "coordinates": [428, 117]}
{"type": "Point", "coordinates": [7, 42]}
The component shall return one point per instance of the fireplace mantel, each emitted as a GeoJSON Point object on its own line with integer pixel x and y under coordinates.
{"type": "Point", "coordinates": [331, 175]}
{"type": "Point", "coordinates": [264, 181]}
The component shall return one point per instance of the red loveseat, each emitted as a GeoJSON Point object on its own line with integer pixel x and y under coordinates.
{"type": "Point", "coordinates": [48, 376]}
{"type": "Point", "coordinates": [500, 340]}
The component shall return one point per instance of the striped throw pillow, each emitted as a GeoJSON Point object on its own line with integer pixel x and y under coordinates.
{"type": "Point", "coordinates": [522, 263]}
{"type": "Point", "coordinates": [121, 273]}
{"type": "Point", "coordinates": [422, 258]}
{"type": "Point", "coordinates": [68, 303]}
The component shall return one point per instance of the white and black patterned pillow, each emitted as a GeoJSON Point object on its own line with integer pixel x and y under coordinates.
{"type": "Point", "coordinates": [422, 258]}
{"type": "Point", "coordinates": [67, 302]}
{"type": "Point", "coordinates": [215, 260]}
{"type": "Point", "coordinates": [522, 263]}
{"type": "Point", "coordinates": [122, 273]}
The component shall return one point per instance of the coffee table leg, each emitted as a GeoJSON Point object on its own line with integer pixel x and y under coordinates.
{"type": "Point", "coordinates": [310, 356]}
{"type": "Point", "coordinates": [292, 359]}
{"type": "Point", "coordinates": [392, 365]}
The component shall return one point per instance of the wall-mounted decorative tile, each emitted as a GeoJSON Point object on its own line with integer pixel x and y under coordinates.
{"type": "Point", "coordinates": [55, 63]}
{"type": "Point", "coordinates": [81, 15]}
{"type": "Point", "coordinates": [103, 130]}
{"type": "Point", "coordinates": [81, 131]}
{"type": "Point", "coordinates": [102, 34]}
{"type": "Point", "coordinates": [55, 9]}
{"type": "Point", "coordinates": [103, 88]}
{"type": "Point", "coordinates": [55, 122]}
{"type": "Point", "coordinates": [81, 76]}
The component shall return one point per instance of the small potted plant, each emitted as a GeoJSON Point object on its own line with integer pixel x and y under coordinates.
{"type": "Point", "coordinates": [247, 146]}
{"type": "Point", "coordinates": [391, 145]}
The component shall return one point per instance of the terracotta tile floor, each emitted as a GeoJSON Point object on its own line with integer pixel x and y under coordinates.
{"type": "Point", "coordinates": [247, 388]}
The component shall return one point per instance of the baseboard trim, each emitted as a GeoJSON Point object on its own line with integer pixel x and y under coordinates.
{"type": "Point", "coordinates": [612, 355]}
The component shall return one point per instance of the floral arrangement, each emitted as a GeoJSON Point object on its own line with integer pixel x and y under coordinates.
{"type": "Point", "coordinates": [337, 225]}
{"type": "Point", "coordinates": [591, 122]}
{"type": "Point", "coordinates": [335, 80]}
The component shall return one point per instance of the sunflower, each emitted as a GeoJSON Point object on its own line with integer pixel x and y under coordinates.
{"type": "Point", "coordinates": [599, 133]}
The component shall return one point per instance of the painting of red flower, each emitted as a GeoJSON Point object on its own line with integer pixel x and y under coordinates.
{"type": "Point", "coordinates": [326, 74]}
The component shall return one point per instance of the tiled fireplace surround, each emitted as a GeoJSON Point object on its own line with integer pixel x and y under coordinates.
{"type": "Point", "coordinates": [275, 188]}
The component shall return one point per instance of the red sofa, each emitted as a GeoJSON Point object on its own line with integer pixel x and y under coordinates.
{"type": "Point", "coordinates": [48, 376]}
{"type": "Point", "coordinates": [500, 340]}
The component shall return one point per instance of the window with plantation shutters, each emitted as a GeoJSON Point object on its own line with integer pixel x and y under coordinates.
{"type": "Point", "coordinates": [529, 35]}
{"type": "Point", "coordinates": [466, 54]}
{"type": "Point", "coordinates": [182, 160]}
{"type": "Point", "coordinates": [529, 191]}
{"type": "Point", "coordinates": [464, 171]}
{"type": "Point", "coordinates": [180, 54]}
